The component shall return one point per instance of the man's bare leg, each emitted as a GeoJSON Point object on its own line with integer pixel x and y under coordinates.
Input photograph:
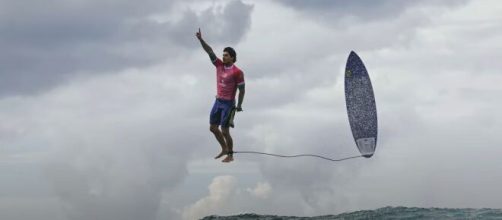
{"type": "Point", "coordinates": [230, 144]}
{"type": "Point", "coordinates": [219, 136]}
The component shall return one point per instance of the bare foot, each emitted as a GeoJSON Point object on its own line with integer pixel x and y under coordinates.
{"type": "Point", "coordinates": [221, 154]}
{"type": "Point", "coordinates": [228, 159]}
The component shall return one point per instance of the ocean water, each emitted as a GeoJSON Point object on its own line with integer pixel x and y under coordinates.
{"type": "Point", "coordinates": [383, 213]}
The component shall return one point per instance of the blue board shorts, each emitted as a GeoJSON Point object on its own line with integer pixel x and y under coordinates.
{"type": "Point", "coordinates": [223, 113]}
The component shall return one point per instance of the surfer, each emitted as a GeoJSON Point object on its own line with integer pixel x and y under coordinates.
{"type": "Point", "coordinates": [229, 78]}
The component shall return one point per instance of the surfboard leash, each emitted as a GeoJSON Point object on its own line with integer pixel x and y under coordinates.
{"type": "Point", "coordinates": [298, 155]}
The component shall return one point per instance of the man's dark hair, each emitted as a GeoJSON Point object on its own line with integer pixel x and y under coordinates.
{"type": "Point", "coordinates": [231, 52]}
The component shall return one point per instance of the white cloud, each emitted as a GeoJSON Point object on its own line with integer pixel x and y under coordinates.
{"type": "Point", "coordinates": [262, 190]}
{"type": "Point", "coordinates": [221, 191]}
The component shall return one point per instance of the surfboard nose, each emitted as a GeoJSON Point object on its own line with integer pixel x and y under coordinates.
{"type": "Point", "coordinates": [353, 55]}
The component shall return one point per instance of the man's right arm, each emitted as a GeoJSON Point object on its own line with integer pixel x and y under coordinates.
{"type": "Point", "coordinates": [206, 47]}
{"type": "Point", "coordinates": [208, 50]}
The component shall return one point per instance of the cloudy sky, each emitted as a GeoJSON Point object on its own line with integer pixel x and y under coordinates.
{"type": "Point", "coordinates": [104, 107]}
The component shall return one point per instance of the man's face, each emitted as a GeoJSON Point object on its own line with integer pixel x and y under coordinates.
{"type": "Point", "coordinates": [227, 59]}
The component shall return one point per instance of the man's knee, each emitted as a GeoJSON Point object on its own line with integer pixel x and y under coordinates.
{"type": "Point", "coordinates": [214, 128]}
{"type": "Point", "coordinates": [225, 132]}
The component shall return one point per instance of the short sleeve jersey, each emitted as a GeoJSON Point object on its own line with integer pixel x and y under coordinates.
{"type": "Point", "coordinates": [228, 79]}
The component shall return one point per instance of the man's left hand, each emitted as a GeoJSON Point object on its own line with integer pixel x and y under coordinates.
{"type": "Point", "coordinates": [238, 108]}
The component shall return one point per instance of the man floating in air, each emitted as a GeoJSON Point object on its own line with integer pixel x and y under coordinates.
{"type": "Point", "coordinates": [229, 78]}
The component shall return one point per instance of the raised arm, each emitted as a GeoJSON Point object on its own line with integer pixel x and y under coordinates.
{"type": "Point", "coordinates": [206, 47]}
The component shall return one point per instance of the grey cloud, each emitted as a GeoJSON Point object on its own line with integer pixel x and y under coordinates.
{"type": "Point", "coordinates": [49, 42]}
{"type": "Point", "coordinates": [113, 157]}
{"type": "Point", "coordinates": [314, 179]}
{"type": "Point", "coordinates": [116, 173]}
{"type": "Point", "coordinates": [220, 26]}
{"type": "Point", "coordinates": [106, 161]}
{"type": "Point", "coordinates": [363, 10]}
